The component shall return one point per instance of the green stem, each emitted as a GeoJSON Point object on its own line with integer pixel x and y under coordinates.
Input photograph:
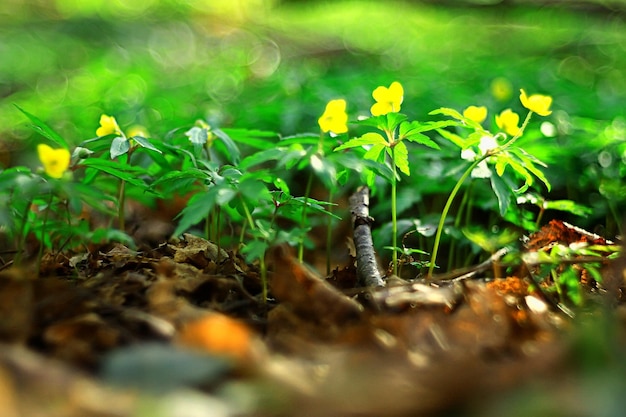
{"type": "Point", "coordinates": [263, 278]}
{"type": "Point", "coordinates": [246, 210]}
{"type": "Point", "coordinates": [21, 236]}
{"type": "Point", "coordinates": [121, 216]}
{"type": "Point", "coordinates": [446, 208]}
{"type": "Point", "coordinates": [329, 232]}
{"type": "Point", "coordinates": [307, 192]}
{"type": "Point", "coordinates": [394, 221]}
{"type": "Point", "coordinates": [41, 236]}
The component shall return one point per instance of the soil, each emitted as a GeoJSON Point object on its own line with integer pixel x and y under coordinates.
{"type": "Point", "coordinates": [181, 330]}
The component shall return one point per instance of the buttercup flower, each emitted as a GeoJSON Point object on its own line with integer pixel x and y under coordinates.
{"type": "Point", "coordinates": [335, 118]}
{"type": "Point", "coordinates": [55, 161]}
{"type": "Point", "coordinates": [108, 125]}
{"type": "Point", "coordinates": [388, 100]}
{"type": "Point", "coordinates": [477, 114]}
{"type": "Point", "coordinates": [536, 103]}
{"type": "Point", "coordinates": [508, 121]}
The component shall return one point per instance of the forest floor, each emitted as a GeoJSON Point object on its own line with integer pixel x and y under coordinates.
{"type": "Point", "coordinates": [181, 330]}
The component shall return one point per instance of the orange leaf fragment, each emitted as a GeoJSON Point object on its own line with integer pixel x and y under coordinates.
{"type": "Point", "coordinates": [219, 334]}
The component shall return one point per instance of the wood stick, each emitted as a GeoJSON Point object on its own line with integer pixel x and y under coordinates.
{"type": "Point", "coordinates": [367, 270]}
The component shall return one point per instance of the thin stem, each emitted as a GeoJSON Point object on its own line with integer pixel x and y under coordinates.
{"type": "Point", "coordinates": [248, 214]}
{"type": "Point", "coordinates": [307, 192]}
{"type": "Point", "coordinates": [21, 242]}
{"type": "Point", "coordinates": [43, 231]}
{"type": "Point", "coordinates": [121, 215]}
{"type": "Point", "coordinates": [263, 278]}
{"type": "Point", "coordinates": [446, 208]}
{"type": "Point", "coordinates": [394, 222]}
{"type": "Point", "coordinates": [217, 233]}
{"type": "Point", "coordinates": [329, 232]}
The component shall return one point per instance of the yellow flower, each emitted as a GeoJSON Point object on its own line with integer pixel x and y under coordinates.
{"type": "Point", "coordinates": [55, 161]}
{"type": "Point", "coordinates": [477, 114]}
{"type": "Point", "coordinates": [536, 103]}
{"type": "Point", "coordinates": [388, 100]}
{"type": "Point", "coordinates": [108, 125]}
{"type": "Point", "coordinates": [508, 121]}
{"type": "Point", "coordinates": [335, 118]}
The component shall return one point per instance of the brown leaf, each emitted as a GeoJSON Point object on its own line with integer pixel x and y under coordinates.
{"type": "Point", "coordinates": [309, 295]}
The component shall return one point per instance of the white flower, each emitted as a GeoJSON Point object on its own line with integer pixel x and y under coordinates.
{"type": "Point", "coordinates": [486, 144]}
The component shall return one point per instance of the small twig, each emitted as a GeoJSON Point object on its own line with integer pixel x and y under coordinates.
{"type": "Point", "coordinates": [466, 273]}
{"type": "Point", "coordinates": [366, 265]}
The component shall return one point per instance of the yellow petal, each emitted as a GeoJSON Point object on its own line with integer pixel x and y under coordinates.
{"type": "Point", "coordinates": [508, 122]}
{"type": "Point", "coordinates": [397, 93]}
{"type": "Point", "coordinates": [108, 126]}
{"type": "Point", "coordinates": [475, 113]}
{"type": "Point", "coordinates": [55, 161]}
{"type": "Point", "coordinates": [379, 109]}
{"type": "Point", "coordinates": [537, 103]}
{"type": "Point", "coordinates": [387, 99]}
{"type": "Point", "coordinates": [335, 118]}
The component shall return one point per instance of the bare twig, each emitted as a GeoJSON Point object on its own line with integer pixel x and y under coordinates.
{"type": "Point", "coordinates": [366, 265]}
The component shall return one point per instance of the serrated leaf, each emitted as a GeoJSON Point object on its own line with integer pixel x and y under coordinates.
{"type": "Point", "coordinates": [401, 157]}
{"type": "Point", "coordinates": [369, 138]}
{"type": "Point", "coordinates": [373, 121]}
{"type": "Point", "coordinates": [454, 138]}
{"type": "Point", "coordinates": [408, 128]}
{"type": "Point", "coordinates": [393, 120]}
{"type": "Point", "coordinates": [458, 116]}
{"type": "Point", "coordinates": [529, 162]}
{"type": "Point", "coordinates": [119, 146]}
{"type": "Point", "coordinates": [373, 153]}
{"type": "Point", "coordinates": [422, 140]}
{"type": "Point", "coordinates": [45, 130]}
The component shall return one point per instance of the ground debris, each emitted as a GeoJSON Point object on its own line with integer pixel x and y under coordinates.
{"type": "Point", "coordinates": [317, 347]}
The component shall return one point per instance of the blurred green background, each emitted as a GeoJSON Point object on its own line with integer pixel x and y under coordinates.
{"type": "Point", "coordinates": [273, 65]}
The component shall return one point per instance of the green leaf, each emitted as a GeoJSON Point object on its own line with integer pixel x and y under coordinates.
{"type": "Point", "coordinates": [324, 169]}
{"type": "Point", "coordinates": [113, 168]}
{"type": "Point", "coordinates": [145, 143]}
{"type": "Point", "coordinates": [529, 162]}
{"type": "Point", "coordinates": [44, 129]}
{"type": "Point", "coordinates": [409, 128]}
{"type": "Point", "coordinates": [254, 250]}
{"type": "Point", "coordinates": [373, 153]}
{"type": "Point", "coordinates": [458, 116]}
{"type": "Point", "coordinates": [231, 150]}
{"type": "Point", "coordinates": [198, 135]}
{"type": "Point", "coordinates": [272, 154]}
{"type": "Point", "coordinates": [393, 121]}
{"type": "Point", "coordinates": [454, 138]}
{"type": "Point", "coordinates": [503, 192]}
{"type": "Point", "coordinates": [119, 146]}
{"type": "Point", "coordinates": [198, 208]}
{"type": "Point", "coordinates": [369, 138]}
{"type": "Point", "coordinates": [259, 139]}
{"type": "Point", "coordinates": [401, 156]}
{"type": "Point", "coordinates": [568, 206]}
{"type": "Point", "coordinates": [422, 139]}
